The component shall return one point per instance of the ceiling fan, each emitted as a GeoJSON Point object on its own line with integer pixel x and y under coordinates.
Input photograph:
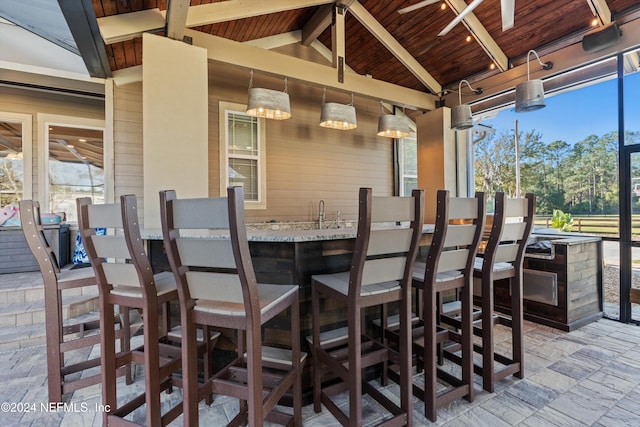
{"type": "Point", "coordinates": [507, 7]}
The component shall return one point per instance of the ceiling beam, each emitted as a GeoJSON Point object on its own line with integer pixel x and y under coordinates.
{"type": "Point", "coordinates": [81, 18]}
{"type": "Point", "coordinates": [277, 64]}
{"type": "Point", "coordinates": [176, 18]}
{"type": "Point", "coordinates": [600, 10]}
{"type": "Point", "coordinates": [126, 26]}
{"type": "Point", "coordinates": [320, 21]}
{"type": "Point", "coordinates": [566, 60]}
{"type": "Point", "coordinates": [380, 33]}
{"type": "Point", "coordinates": [338, 42]}
{"type": "Point", "coordinates": [481, 35]}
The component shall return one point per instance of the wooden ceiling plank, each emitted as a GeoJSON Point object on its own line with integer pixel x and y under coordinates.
{"type": "Point", "coordinates": [177, 11]}
{"type": "Point", "coordinates": [320, 21]}
{"type": "Point", "coordinates": [601, 9]}
{"type": "Point", "coordinates": [277, 64]}
{"type": "Point", "coordinates": [375, 28]}
{"type": "Point", "coordinates": [481, 35]}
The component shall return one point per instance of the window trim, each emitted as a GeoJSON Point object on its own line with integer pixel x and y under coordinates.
{"type": "Point", "coordinates": [401, 162]}
{"type": "Point", "coordinates": [225, 107]}
{"type": "Point", "coordinates": [46, 120]}
{"type": "Point", "coordinates": [27, 149]}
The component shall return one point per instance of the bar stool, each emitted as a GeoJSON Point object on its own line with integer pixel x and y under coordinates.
{"type": "Point", "coordinates": [125, 277]}
{"type": "Point", "coordinates": [503, 258]}
{"type": "Point", "coordinates": [65, 338]}
{"type": "Point", "coordinates": [217, 286]}
{"type": "Point", "coordinates": [449, 266]}
{"type": "Point", "coordinates": [381, 269]}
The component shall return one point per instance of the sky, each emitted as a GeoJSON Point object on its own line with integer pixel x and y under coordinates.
{"type": "Point", "coordinates": [572, 116]}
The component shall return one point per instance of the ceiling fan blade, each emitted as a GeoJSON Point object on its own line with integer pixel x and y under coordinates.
{"type": "Point", "coordinates": [416, 6]}
{"type": "Point", "coordinates": [508, 9]}
{"type": "Point", "coordinates": [467, 10]}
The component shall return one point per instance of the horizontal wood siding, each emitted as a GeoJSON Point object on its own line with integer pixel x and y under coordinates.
{"type": "Point", "coordinates": [305, 162]}
{"type": "Point", "coordinates": [127, 141]}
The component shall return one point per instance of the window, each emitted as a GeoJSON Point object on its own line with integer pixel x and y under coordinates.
{"type": "Point", "coordinates": [15, 158]}
{"type": "Point", "coordinates": [408, 166]}
{"type": "Point", "coordinates": [73, 160]}
{"type": "Point", "coordinates": [242, 154]}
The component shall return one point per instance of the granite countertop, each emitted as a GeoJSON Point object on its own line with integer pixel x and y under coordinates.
{"type": "Point", "coordinates": [289, 235]}
{"type": "Point", "coordinates": [566, 239]}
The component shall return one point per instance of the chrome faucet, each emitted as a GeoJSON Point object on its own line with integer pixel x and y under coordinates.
{"type": "Point", "coordinates": [321, 216]}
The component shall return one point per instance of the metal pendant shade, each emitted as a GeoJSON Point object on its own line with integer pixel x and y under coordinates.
{"type": "Point", "coordinates": [338, 116]}
{"type": "Point", "coordinates": [461, 118]}
{"type": "Point", "coordinates": [268, 103]}
{"type": "Point", "coordinates": [529, 96]}
{"type": "Point", "coordinates": [530, 93]}
{"type": "Point", "coordinates": [392, 126]}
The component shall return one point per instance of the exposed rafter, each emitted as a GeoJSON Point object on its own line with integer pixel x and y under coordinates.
{"type": "Point", "coordinates": [375, 28]}
{"type": "Point", "coordinates": [81, 19]}
{"type": "Point", "coordinates": [130, 25]}
{"type": "Point", "coordinates": [600, 10]}
{"type": "Point", "coordinates": [247, 56]}
{"type": "Point", "coordinates": [177, 11]}
{"type": "Point", "coordinates": [481, 35]}
{"type": "Point", "coordinates": [320, 21]}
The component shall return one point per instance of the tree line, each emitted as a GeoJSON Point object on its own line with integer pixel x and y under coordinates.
{"type": "Point", "coordinates": [580, 178]}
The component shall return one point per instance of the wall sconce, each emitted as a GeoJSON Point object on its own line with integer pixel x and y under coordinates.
{"type": "Point", "coordinates": [267, 103]}
{"type": "Point", "coordinates": [392, 126]}
{"type": "Point", "coordinates": [461, 114]}
{"type": "Point", "coordinates": [337, 116]}
{"type": "Point", "coordinates": [530, 93]}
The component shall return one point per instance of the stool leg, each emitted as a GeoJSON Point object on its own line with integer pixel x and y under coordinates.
{"type": "Point", "coordinates": [516, 325]}
{"type": "Point", "coordinates": [355, 366]}
{"type": "Point", "coordinates": [190, 370]}
{"type": "Point", "coordinates": [430, 351]}
{"type": "Point", "coordinates": [152, 365]}
{"type": "Point", "coordinates": [315, 315]}
{"type": "Point", "coordinates": [487, 333]}
{"type": "Point", "coordinates": [108, 357]}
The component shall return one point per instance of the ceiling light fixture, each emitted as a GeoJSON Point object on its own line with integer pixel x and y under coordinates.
{"type": "Point", "coordinates": [461, 114]}
{"type": "Point", "coordinates": [267, 103]}
{"type": "Point", "coordinates": [530, 93]}
{"type": "Point", "coordinates": [392, 126]}
{"type": "Point", "coordinates": [337, 116]}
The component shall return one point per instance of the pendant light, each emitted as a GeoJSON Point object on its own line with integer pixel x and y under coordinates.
{"type": "Point", "coordinates": [461, 114]}
{"type": "Point", "coordinates": [530, 93]}
{"type": "Point", "coordinates": [267, 103]}
{"type": "Point", "coordinates": [392, 126]}
{"type": "Point", "coordinates": [337, 116]}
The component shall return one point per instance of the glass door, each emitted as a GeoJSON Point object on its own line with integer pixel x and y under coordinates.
{"type": "Point", "coordinates": [628, 67]}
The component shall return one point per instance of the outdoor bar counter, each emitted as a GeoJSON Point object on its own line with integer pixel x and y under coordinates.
{"type": "Point", "coordinates": [290, 253]}
{"type": "Point", "coordinates": [562, 289]}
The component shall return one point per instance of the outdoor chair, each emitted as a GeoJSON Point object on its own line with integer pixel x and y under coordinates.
{"type": "Point", "coordinates": [448, 267]}
{"type": "Point", "coordinates": [125, 277]}
{"type": "Point", "coordinates": [381, 269]}
{"type": "Point", "coordinates": [64, 335]}
{"type": "Point", "coordinates": [217, 287]}
{"type": "Point", "coordinates": [502, 260]}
